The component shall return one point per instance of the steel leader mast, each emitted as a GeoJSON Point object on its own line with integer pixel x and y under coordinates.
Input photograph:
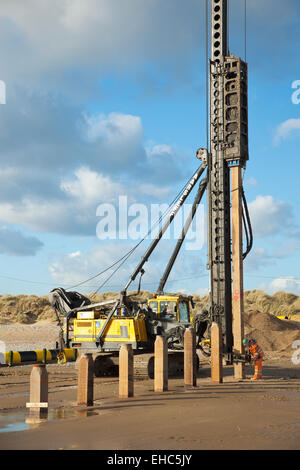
{"type": "Point", "coordinates": [228, 148]}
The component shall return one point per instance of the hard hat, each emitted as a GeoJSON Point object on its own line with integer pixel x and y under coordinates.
{"type": "Point", "coordinates": [245, 341]}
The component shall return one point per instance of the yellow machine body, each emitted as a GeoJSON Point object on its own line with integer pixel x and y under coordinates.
{"type": "Point", "coordinates": [119, 330]}
{"type": "Point", "coordinates": [96, 331]}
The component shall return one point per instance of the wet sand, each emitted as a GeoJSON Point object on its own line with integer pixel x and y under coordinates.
{"type": "Point", "coordinates": [233, 415]}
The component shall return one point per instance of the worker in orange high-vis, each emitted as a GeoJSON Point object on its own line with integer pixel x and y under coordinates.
{"type": "Point", "coordinates": [257, 355]}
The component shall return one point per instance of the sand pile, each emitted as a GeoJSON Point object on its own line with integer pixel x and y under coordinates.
{"type": "Point", "coordinates": [261, 322]}
{"type": "Point", "coordinates": [270, 332]}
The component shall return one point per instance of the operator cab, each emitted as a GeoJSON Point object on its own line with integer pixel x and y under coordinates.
{"type": "Point", "coordinates": [172, 308]}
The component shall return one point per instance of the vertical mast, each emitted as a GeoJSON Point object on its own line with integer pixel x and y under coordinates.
{"type": "Point", "coordinates": [219, 249]}
{"type": "Point", "coordinates": [219, 30]}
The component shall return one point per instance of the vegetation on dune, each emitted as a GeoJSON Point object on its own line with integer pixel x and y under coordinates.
{"type": "Point", "coordinates": [29, 309]}
{"type": "Point", "coordinates": [260, 314]}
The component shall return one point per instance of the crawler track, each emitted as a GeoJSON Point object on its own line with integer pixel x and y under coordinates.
{"type": "Point", "coordinates": [108, 365]}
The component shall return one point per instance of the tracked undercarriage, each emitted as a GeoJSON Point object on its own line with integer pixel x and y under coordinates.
{"type": "Point", "coordinates": [107, 364]}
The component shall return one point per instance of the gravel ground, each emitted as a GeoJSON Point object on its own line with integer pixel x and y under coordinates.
{"type": "Point", "coordinates": [28, 337]}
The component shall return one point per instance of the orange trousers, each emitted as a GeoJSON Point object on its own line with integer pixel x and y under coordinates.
{"type": "Point", "coordinates": [258, 369]}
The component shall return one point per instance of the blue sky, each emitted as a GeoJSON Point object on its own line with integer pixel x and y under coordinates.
{"type": "Point", "coordinates": [107, 98]}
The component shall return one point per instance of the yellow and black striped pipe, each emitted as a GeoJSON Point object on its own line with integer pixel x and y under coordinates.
{"type": "Point", "coordinates": [42, 355]}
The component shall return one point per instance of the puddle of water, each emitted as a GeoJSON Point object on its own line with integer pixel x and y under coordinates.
{"type": "Point", "coordinates": [21, 421]}
{"type": "Point", "coordinates": [10, 422]}
{"type": "Point", "coordinates": [12, 427]}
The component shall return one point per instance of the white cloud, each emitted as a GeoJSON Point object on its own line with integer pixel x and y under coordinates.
{"type": "Point", "coordinates": [159, 192]}
{"type": "Point", "coordinates": [259, 258]}
{"type": "Point", "coordinates": [99, 35]}
{"type": "Point", "coordinates": [90, 188]}
{"type": "Point", "coordinates": [113, 142]}
{"type": "Point", "coordinates": [285, 284]}
{"type": "Point", "coordinates": [158, 149]}
{"type": "Point", "coordinates": [70, 270]}
{"type": "Point", "coordinates": [74, 254]}
{"type": "Point", "coordinates": [269, 217]}
{"type": "Point", "coordinates": [73, 210]}
{"type": "Point", "coordinates": [58, 188]}
{"type": "Point", "coordinates": [114, 126]}
{"type": "Point", "coordinates": [14, 242]}
{"type": "Point", "coordinates": [251, 182]}
{"type": "Point", "coordinates": [45, 216]}
{"type": "Point", "coordinates": [47, 38]}
{"type": "Point", "coordinates": [285, 129]}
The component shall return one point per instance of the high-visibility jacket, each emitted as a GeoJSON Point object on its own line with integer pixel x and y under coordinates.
{"type": "Point", "coordinates": [256, 351]}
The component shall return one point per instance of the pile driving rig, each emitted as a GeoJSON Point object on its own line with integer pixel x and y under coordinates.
{"type": "Point", "coordinates": [102, 328]}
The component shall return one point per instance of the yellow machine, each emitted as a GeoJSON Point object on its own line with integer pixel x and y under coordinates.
{"type": "Point", "coordinates": [102, 328]}
{"type": "Point", "coordinates": [88, 325]}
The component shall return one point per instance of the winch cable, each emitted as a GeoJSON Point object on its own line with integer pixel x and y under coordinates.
{"type": "Point", "coordinates": [111, 275]}
{"type": "Point", "coordinates": [245, 229]}
{"type": "Point", "coordinates": [193, 181]}
{"type": "Point", "coordinates": [247, 225]}
{"type": "Point", "coordinates": [99, 274]}
{"type": "Point", "coordinates": [130, 252]}
{"type": "Point", "coordinates": [184, 193]}
{"type": "Point", "coordinates": [132, 249]}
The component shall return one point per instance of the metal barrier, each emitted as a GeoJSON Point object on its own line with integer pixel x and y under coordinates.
{"type": "Point", "coordinates": [43, 355]}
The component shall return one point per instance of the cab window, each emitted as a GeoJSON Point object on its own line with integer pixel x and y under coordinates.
{"type": "Point", "coordinates": [183, 312]}
{"type": "Point", "coordinates": [154, 306]}
{"type": "Point", "coordinates": [168, 309]}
